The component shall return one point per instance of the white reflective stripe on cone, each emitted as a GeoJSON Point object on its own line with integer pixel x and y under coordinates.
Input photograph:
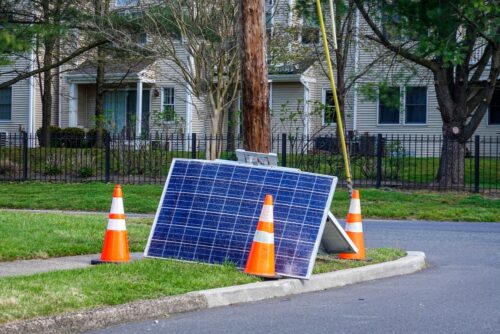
{"type": "Point", "coordinates": [266, 215]}
{"type": "Point", "coordinates": [355, 206]}
{"type": "Point", "coordinates": [354, 227]}
{"type": "Point", "coordinates": [117, 205]}
{"type": "Point", "coordinates": [116, 224]}
{"type": "Point", "coordinates": [264, 237]}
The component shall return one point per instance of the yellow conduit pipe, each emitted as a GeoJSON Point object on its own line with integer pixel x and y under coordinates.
{"type": "Point", "coordinates": [335, 98]}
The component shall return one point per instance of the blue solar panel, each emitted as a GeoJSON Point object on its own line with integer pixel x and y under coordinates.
{"type": "Point", "coordinates": [209, 212]}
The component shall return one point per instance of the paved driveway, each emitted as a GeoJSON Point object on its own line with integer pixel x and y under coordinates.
{"type": "Point", "coordinates": [458, 293]}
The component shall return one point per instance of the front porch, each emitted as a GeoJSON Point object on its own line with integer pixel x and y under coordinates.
{"type": "Point", "coordinates": [126, 109]}
{"type": "Point", "coordinates": [128, 90]}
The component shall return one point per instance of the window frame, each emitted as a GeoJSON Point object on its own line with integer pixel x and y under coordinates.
{"type": "Point", "coordinates": [323, 114]}
{"type": "Point", "coordinates": [11, 99]}
{"type": "Point", "coordinates": [379, 105]}
{"type": "Point", "coordinates": [303, 26]}
{"type": "Point", "coordinates": [163, 104]}
{"type": "Point", "coordinates": [269, 12]}
{"type": "Point", "coordinates": [405, 122]}
{"type": "Point", "coordinates": [130, 3]}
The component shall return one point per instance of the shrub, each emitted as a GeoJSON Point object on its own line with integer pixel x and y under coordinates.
{"type": "Point", "coordinates": [92, 137]}
{"type": "Point", "coordinates": [52, 170]}
{"type": "Point", "coordinates": [55, 136]}
{"type": "Point", "coordinates": [72, 137]}
{"type": "Point", "coordinates": [7, 167]}
{"type": "Point", "coordinates": [85, 171]}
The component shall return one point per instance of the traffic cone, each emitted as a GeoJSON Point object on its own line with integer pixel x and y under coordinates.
{"type": "Point", "coordinates": [115, 248]}
{"type": "Point", "coordinates": [354, 229]}
{"type": "Point", "coordinates": [260, 261]}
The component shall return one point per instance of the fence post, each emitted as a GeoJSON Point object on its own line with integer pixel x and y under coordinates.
{"type": "Point", "coordinates": [379, 160]}
{"type": "Point", "coordinates": [193, 146]}
{"type": "Point", "coordinates": [283, 149]}
{"type": "Point", "coordinates": [25, 155]}
{"type": "Point", "coordinates": [477, 149]}
{"type": "Point", "coordinates": [107, 157]}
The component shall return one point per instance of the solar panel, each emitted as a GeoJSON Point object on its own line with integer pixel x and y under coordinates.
{"type": "Point", "coordinates": [209, 211]}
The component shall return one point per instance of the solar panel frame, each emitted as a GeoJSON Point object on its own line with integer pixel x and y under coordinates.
{"type": "Point", "coordinates": [254, 215]}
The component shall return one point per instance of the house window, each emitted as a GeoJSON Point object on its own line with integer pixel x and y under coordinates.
{"type": "Point", "coordinates": [388, 105]}
{"type": "Point", "coordinates": [389, 26]}
{"type": "Point", "coordinates": [310, 27]}
{"type": "Point", "coordinates": [169, 104]}
{"type": "Point", "coordinates": [494, 118]}
{"type": "Point", "coordinates": [126, 3]}
{"type": "Point", "coordinates": [140, 38]}
{"type": "Point", "coordinates": [329, 110]}
{"type": "Point", "coordinates": [6, 104]}
{"type": "Point", "coordinates": [269, 23]}
{"type": "Point", "coordinates": [416, 105]}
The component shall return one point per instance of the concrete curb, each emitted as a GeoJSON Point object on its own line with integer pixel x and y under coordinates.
{"type": "Point", "coordinates": [161, 308]}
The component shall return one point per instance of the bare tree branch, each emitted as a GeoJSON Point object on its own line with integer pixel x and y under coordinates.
{"type": "Point", "coordinates": [58, 63]}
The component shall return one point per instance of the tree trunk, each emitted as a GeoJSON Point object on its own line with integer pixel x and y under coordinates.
{"type": "Point", "coordinates": [100, 9]}
{"type": "Point", "coordinates": [213, 148]}
{"type": "Point", "coordinates": [231, 126]}
{"type": "Point", "coordinates": [46, 95]}
{"type": "Point", "coordinates": [256, 130]}
{"type": "Point", "coordinates": [99, 97]}
{"type": "Point", "coordinates": [451, 171]}
{"type": "Point", "coordinates": [452, 161]}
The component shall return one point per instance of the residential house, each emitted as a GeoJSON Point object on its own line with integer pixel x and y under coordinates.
{"type": "Point", "coordinates": [136, 91]}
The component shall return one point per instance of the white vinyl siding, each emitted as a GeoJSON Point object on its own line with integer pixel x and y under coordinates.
{"type": "Point", "coordinates": [20, 96]}
{"type": "Point", "coordinates": [287, 108]}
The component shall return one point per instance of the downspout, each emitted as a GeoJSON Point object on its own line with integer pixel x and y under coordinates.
{"type": "Point", "coordinates": [356, 64]}
{"type": "Point", "coordinates": [59, 106]}
{"type": "Point", "coordinates": [305, 83]}
{"type": "Point", "coordinates": [31, 104]}
{"type": "Point", "coordinates": [189, 118]}
{"type": "Point", "coordinates": [189, 107]}
{"type": "Point", "coordinates": [290, 20]}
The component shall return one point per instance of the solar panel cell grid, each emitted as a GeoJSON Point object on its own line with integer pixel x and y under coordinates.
{"type": "Point", "coordinates": [209, 212]}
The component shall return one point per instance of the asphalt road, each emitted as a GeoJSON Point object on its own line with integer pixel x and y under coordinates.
{"type": "Point", "coordinates": [458, 293]}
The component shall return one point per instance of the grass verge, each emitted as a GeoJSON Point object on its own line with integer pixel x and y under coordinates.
{"type": "Point", "coordinates": [64, 291]}
{"type": "Point", "coordinates": [328, 263]}
{"type": "Point", "coordinates": [31, 235]}
{"type": "Point", "coordinates": [376, 203]}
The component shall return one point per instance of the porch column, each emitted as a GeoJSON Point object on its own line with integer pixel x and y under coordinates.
{"type": "Point", "coordinates": [189, 118]}
{"type": "Point", "coordinates": [73, 105]}
{"type": "Point", "coordinates": [138, 110]}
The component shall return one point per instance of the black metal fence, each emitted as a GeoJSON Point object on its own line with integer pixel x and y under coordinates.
{"type": "Point", "coordinates": [376, 161]}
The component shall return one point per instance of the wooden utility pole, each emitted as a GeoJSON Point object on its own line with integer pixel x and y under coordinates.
{"type": "Point", "coordinates": [256, 123]}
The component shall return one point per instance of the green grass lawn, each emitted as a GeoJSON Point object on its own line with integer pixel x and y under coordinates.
{"type": "Point", "coordinates": [375, 203]}
{"type": "Point", "coordinates": [406, 169]}
{"type": "Point", "coordinates": [70, 290]}
{"type": "Point", "coordinates": [30, 235]}
{"type": "Point", "coordinates": [61, 291]}
{"type": "Point", "coordinates": [42, 235]}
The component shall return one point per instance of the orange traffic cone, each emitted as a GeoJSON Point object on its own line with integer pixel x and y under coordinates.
{"type": "Point", "coordinates": [115, 248]}
{"type": "Point", "coordinates": [354, 229]}
{"type": "Point", "coordinates": [260, 261]}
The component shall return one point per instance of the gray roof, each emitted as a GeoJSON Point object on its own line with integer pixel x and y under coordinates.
{"type": "Point", "coordinates": [117, 66]}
